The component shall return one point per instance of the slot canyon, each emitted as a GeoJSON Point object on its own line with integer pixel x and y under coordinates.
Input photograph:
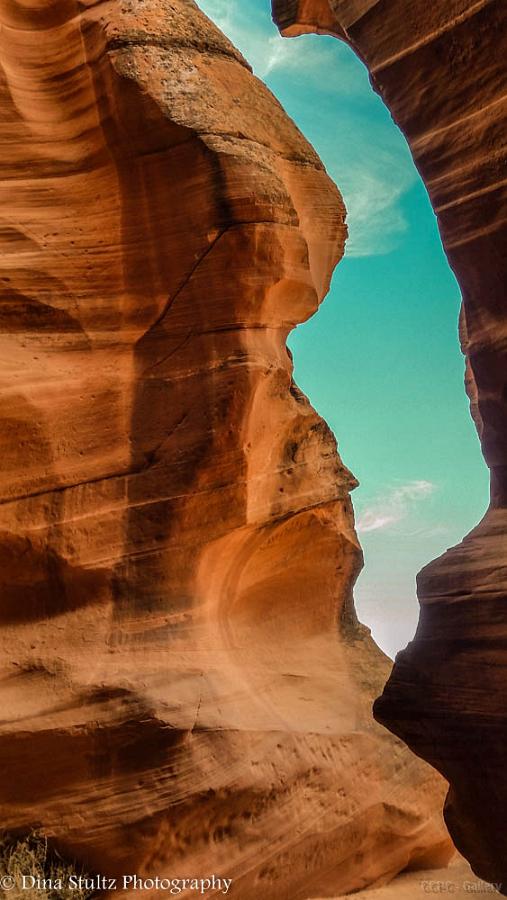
{"type": "Point", "coordinates": [186, 689]}
{"type": "Point", "coordinates": [440, 69]}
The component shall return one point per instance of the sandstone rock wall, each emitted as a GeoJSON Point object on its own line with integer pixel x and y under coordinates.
{"type": "Point", "coordinates": [440, 67]}
{"type": "Point", "coordinates": [185, 689]}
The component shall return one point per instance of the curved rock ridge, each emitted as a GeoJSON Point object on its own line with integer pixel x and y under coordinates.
{"type": "Point", "coordinates": [441, 69]}
{"type": "Point", "coordinates": [184, 686]}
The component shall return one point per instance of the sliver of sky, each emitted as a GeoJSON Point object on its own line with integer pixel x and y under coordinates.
{"type": "Point", "coordinates": [380, 361]}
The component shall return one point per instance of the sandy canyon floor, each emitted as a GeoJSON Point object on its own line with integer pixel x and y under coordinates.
{"type": "Point", "coordinates": [457, 881]}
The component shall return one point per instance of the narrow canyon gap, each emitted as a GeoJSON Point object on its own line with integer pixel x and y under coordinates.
{"type": "Point", "coordinates": [440, 68]}
{"type": "Point", "coordinates": [176, 531]}
{"type": "Point", "coordinates": [380, 361]}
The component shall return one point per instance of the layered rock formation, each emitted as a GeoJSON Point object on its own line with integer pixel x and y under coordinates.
{"type": "Point", "coordinates": [185, 689]}
{"type": "Point", "coordinates": [441, 69]}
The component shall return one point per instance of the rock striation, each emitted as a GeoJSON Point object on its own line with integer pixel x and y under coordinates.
{"type": "Point", "coordinates": [185, 688]}
{"type": "Point", "coordinates": [440, 68]}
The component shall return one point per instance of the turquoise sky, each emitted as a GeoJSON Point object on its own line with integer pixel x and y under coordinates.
{"type": "Point", "coordinates": [380, 361]}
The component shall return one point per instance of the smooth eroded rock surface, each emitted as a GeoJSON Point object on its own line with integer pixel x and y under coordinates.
{"type": "Point", "coordinates": [185, 689]}
{"type": "Point", "coordinates": [441, 69]}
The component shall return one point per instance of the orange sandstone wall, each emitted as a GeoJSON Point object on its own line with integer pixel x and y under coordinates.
{"type": "Point", "coordinates": [184, 686]}
{"type": "Point", "coordinates": [440, 67]}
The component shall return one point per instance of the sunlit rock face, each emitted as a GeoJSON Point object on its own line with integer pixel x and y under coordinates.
{"type": "Point", "coordinates": [185, 689]}
{"type": "Point", "coordinates": [440, 67]}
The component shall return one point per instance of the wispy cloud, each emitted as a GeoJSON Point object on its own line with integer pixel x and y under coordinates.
{"type": "Point", "coordinates": [372, 195]}
{"type": "Point", "coordinates": [326, 90]}
{"type": "Point", "coordinates": [394, 506]}
{"type": "Point", "coordinates": [248, 25]}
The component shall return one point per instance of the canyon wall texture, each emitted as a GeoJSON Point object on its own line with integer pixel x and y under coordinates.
{"type": "Point", "coordinates": [440, 67]}
{"type": "Point", "coordinates": [185, 688]}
